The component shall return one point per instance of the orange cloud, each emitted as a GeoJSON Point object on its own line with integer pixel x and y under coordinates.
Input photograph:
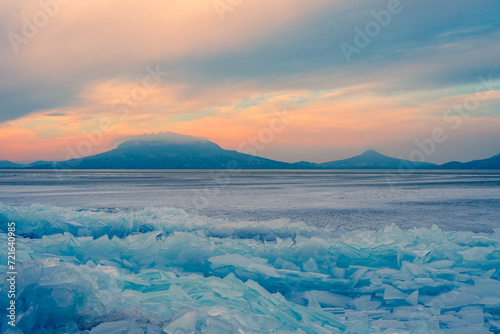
{"type": "Point", "coordinates": [228, 116]}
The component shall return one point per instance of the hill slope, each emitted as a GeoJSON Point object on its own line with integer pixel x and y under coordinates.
{"type": "Point", "coordinates": [7, 164]}
{"type": "Point", "coordinates": [490, 163]}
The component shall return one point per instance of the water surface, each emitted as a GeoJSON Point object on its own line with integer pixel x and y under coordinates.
{"type": "Point", "coordinates": [345, 199]}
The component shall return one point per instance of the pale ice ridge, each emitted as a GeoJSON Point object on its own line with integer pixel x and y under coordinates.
{"type": "Point", "coordinates": [165, 271]}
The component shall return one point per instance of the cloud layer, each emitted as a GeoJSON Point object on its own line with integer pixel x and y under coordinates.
{"type": "Point", "coordinates": [75, 71]}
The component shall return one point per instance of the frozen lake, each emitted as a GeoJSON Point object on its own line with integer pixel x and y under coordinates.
{"type": "Point", "coordinates": [346, 200]}
{"type": "Point", "coordinates": [253, 252]}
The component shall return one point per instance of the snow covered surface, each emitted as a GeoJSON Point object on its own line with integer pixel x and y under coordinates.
{"type": "Point", "coordinates": [159, 270]}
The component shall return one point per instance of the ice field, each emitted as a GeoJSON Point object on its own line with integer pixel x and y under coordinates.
{"type": "Point", "coordinates": [258, 252]}
{"type": "Point", "coordinates": [159, 270]}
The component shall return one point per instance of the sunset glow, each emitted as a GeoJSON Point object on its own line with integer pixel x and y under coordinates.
{"type": "Point", "coordinates": [93, 62]}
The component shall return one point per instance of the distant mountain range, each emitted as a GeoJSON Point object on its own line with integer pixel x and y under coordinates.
{"type": "Point", "coordinates": [186, 152]}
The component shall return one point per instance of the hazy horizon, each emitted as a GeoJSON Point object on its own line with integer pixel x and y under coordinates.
{"type": "Point", "coordinates": [179, 138]}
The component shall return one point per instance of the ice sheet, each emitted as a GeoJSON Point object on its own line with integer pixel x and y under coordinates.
{"type": "Point", "coordinates": [165, 271]}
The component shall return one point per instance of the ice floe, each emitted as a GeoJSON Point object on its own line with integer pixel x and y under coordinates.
{"type": "Point", "coordinates": [161, 270]}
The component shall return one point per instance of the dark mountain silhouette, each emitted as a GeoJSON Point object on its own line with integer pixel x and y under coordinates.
{"type": "Point", "coordinates": [374, 160]}
{"type": "Point", "coordinates": [490, 163]}
{"type": "Point", "coordinates": [175, 151]}
{"type": "Point", "coordinates": [161, 154]}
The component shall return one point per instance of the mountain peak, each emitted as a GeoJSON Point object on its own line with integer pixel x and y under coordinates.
{"type": "Point", "coordinates": [372, 159]}
{"type": "Point", "coordinates": [371, 152]}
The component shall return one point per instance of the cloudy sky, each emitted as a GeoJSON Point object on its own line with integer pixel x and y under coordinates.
{"type": "Point", "coordinates": [399, 77]}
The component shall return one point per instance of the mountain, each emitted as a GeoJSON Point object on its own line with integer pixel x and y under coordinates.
{"type": "Point", "coordinates": [7, 164]}
{"type": "Point", "coordinates": [176, 151]}
{"type": "Point", "coordinates": [374, 160]}
{"type": "Point", "coordinates": [170, 154]}
{"type": "Point", "coordinates": [490, 163]}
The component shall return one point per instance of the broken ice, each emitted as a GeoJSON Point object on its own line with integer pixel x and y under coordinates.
{"type": "Point", "coordinates": [165, 271]}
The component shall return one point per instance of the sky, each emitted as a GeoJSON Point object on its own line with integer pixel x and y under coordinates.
{"type": "Point", "coordinates": [285, 79]}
